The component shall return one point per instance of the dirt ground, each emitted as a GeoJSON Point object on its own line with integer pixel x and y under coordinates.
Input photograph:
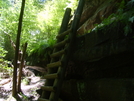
{"type": "Point", "coordinates": [29, 84]}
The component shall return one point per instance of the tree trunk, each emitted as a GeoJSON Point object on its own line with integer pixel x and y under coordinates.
{"type": "Point", "coordinates": [14, 90]}
{"type": "Point", "coordinates": [21, 67]}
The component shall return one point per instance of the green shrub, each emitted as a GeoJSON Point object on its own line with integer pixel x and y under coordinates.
{"type": "Point", "coordinates": [4, 63]}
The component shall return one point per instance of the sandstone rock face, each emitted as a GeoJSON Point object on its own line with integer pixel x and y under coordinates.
{"type": "Point", "coordinates": [94, 12]}
{"type": "Point", "coordinates": [95, 46]}
{"type": "Point", "coordinates": [101, 67]}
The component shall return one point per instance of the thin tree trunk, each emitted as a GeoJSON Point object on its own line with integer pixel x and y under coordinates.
{"type": "Point", "coordinates": [21, 67]}
{"type": "Point", "coordinates": [14, 90]}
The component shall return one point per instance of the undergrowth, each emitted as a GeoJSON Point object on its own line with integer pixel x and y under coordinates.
{"type": "Point", "coordinates": [4, 68]}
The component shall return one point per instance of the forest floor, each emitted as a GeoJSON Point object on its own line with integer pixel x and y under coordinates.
{"type": "Point", "coordinates": [29, 84]}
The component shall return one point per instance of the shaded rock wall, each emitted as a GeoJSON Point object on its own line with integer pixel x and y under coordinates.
{"type": "Point", "coordinates": [97, 45]}
{"type": "Point", "coordinates": [99, 90]}
{"type": "Point", "coordinates": [101, 67]}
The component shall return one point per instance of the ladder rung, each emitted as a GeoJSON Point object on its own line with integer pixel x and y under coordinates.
{"type": "Point", "coordinates": [63, 34]}
{"type": "Point", "coordinates": [51, 76]}
{"type": "Point", "coordinates": [41, 99]}
{"type": "Point", "coordinates": [59, 53]}
{"type": "Point", "coordinates": [47, 88]}
{"type": "Point", "coordinates": [61, 43]}
{"type": "Point", "coordinates": [55, 64]}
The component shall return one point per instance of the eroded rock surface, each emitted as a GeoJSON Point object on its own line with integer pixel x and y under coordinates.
{"type": "Point", "coordinates": [94, 12]}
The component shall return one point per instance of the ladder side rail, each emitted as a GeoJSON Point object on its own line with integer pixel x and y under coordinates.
{"type": "Point", "coordinates": [54, 95]}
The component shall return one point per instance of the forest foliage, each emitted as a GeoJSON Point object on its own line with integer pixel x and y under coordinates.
{"type": "Point", "coordinates": [41, 23]}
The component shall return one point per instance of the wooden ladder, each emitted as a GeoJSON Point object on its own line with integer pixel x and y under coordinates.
{"type": "Point", "coordinates": [60, 56]}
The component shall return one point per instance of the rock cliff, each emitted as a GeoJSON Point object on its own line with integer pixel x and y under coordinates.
{"type": "Point", "coordinates": [101, 67]}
